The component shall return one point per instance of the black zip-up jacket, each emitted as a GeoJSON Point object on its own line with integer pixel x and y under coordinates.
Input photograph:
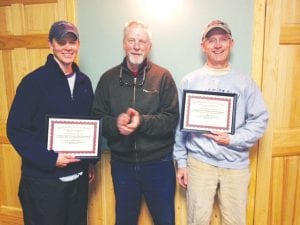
{"type": "Point", "coordinates": [154, 96]}
{"type": "Point", "coordinates": [43, 92]}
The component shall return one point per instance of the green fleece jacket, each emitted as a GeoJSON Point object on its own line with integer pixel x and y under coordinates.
{"type": "Point", "coordinates": [154, 96]}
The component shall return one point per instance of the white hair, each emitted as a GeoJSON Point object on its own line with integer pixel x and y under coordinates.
{"type": "Point", "coordinates": [144, 26]}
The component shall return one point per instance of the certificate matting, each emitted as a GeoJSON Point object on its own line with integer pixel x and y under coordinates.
{"type": "Point", "coordinates": [74, 135]}
{"type": "Point", "coordinates": [204, 111]}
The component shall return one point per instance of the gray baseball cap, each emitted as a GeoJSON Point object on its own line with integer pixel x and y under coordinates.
{"type": "Point", "coordinates": [60, 28]}
{"type": "Point", "coordinates": [216, 24]}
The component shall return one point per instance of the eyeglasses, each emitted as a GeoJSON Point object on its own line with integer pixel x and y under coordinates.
{"type": "Point", "coordinates": [125, 83]}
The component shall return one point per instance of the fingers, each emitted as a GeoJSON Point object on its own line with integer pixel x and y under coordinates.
{"type": "Point", "coordinates": [219, 137]}
{"type": "Point", "coordinates": [134, 118]}
{"type": "Point", "coordinates": [92, 173]}
{"type": "Point", "coordinates": [125, 130]}
{"type": "Point", "coordinates": [135, 122]}
{"type": "Point", "coordinates": [182, 178]}
{"type": "Point", "coordinates": [123, 119]}
{"type": "Point", "coordinates": [132, 112]}
{"type": "Point", "coordinates": [128, 122]}
{"type": "Point", "coordinates": [64, 159]}
{"type": "Point", "coordinates": [182, 183]}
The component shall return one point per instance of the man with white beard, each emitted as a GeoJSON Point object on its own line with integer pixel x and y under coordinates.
{"type": "Point", "coordinates": [137, 101]}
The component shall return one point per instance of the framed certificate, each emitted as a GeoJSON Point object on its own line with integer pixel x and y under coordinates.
{"type": "Point", "coordinates": [79, 136]}
{"type": "Point", "coordinates": [204, 111]}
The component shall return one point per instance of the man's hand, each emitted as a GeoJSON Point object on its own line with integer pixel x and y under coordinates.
{"type": "Point", "coordinates": [128, 122]}
{"type": "Point", "coordinates": [181, 176]}
{"type": "Point", "coordinates": [134, 118]}
{"type": "Point", "coordinates": [219, 137]}
{"type": "Point", "coordinates": [122, 121]}
{"type": "Point", "coordinates": [92, 173]}
{"type": "Point", "coordinates": [65, 159]}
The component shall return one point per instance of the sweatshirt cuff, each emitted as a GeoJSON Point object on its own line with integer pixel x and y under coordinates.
{"type": "Point", "coordinates": [232, 140]}
{"type": "Point", "coordinates": [181, 163]}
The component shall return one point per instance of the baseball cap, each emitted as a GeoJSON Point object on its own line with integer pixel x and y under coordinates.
{"type": "Point", "coordinates": [60, 28]}
{"type": "Point", "coordinates": [216, 24]}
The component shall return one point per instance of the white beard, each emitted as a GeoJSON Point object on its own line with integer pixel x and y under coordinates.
{"type": "Point", "coordinates": [136, 60]}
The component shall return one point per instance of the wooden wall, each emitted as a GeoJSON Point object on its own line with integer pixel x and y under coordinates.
{"type": "Point", "coordinates": [24, 26]}
{"type": "Point", "coordinates": [278, 174]}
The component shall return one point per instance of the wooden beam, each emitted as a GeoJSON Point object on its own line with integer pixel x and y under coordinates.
{"type": "Point", "coordinates": [290, 34]}
{"type": "Point", "coordinates": [25, 2]}
{"type": "Point", "coordinates": [8, 81]}
{"type": "Point", "coordinates": [34, 41]}
{"type": "Point", "coordinates": [3, 137]}
{"type": "Point", "coordinates": [286, 142]}
{"type": "Point", "coordinates": [286, 138]}
{"type": "Point", "coordinates": [11, 215]}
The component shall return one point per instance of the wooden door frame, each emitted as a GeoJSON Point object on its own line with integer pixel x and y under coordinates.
{"type": "Point", "coordinates": [15, 37]}
{"type": "Point", "coordinates": [264, 155]}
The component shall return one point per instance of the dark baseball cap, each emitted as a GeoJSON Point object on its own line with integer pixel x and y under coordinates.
{"type": "Point", "coordinates": [216, 24]}
{"type": "Point", "coordinates": [60, 28]}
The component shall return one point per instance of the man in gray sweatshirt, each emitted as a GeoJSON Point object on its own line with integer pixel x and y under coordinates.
{"type": "Point", "coordinates": [216, 162]}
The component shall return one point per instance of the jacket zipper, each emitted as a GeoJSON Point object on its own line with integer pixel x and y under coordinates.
{"type": "Point", "coordinates": [70, 90]}
{"type": "Point", "coordinates": [133, 105]}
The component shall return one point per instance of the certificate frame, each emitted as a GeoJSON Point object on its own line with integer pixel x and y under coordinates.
{"type": "Point", "coordinates": [207, 111]}
{"type": "Point", "coordinates": [76, 135]}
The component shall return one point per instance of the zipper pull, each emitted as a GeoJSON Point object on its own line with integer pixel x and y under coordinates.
{"type": "Point", "coordinates": [72, 98]}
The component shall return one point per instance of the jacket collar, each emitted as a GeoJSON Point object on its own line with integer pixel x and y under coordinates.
{"type": "Point", "coordinates": [54, 67]}
{"type": "Point", "coordinates": [146, 63]}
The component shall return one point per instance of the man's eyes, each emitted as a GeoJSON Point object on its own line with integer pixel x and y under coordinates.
{"type": "Point", "coordinates": [61, 43]}
{"type": "Point", "coordinates": [131, 41]}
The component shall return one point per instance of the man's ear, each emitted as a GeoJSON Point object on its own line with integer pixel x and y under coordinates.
{"type": "Point", "coordinates": [50, 44]}
{"type": "Point", "coordinates": [232, 43]}
{"type": "Point", "coordinates": [202, 45]}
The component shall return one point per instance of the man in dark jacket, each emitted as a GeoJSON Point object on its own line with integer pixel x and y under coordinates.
{"type": "Point", "coordinates": [137, 101]}
{"type": "Point", "coordinates": [54, 186]}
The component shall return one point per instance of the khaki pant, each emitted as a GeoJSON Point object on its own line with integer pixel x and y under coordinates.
{"type": "Point", "coordinates": [230, 186]}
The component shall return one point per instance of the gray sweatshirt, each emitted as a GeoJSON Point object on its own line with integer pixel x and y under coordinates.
{"type": "Point", "coordinates": [250, 124]}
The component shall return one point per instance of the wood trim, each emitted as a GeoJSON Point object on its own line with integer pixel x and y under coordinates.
{"type": "Point", "coordinates": [258, 41]}
{"type": "Point", "coordinates": [286, 143]}
{"type": "Point", "coordinates": [25, 2]}
{"type": "Point", "coordinates": [35, 41]}
{"type": "Point", "coordinates": [8, 211]}
{"type": "Point", "coordinates": [8, 73]}
{"type": "Point", "coordinates": [286, 138]}
{"type": "Point", "coordinates": [10, 216]}
{"type": "Point", "coordinates": [71, 11]}
{"type": "Point", "coordinates": [285, 151]}
{"type": "Point", "coordinates": [290, 34]}
{"type": "Point", "coordinates": [261, 208]}
{"type": "Point", "coordinates": [3, 137]}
